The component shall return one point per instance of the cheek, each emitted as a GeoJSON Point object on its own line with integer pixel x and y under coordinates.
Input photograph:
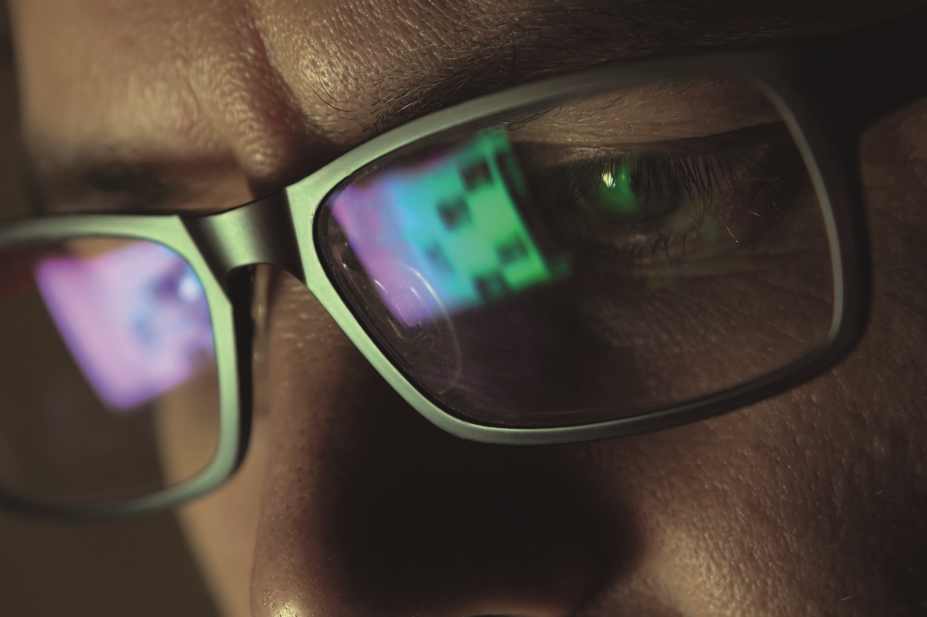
{"type": "Point", "coordinates": [221, 529]}
{"type": "Point", "coordinates": [784, 508]}
{"type": "Point", "coordinates": [894, 169]}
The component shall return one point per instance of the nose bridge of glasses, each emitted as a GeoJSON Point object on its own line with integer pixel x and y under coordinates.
{"type": "Point", "coordinates": [260, 232]}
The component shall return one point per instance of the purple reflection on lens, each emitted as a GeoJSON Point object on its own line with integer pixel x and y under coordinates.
{"type": "Point", "coordinates": [135, 320]}
{"type": "Point", "coordinates": [373, 222]}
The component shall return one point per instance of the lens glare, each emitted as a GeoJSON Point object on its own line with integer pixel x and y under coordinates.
{"type": "Point", "coordinates": [604, 257]}
{"type": "Point", "coordinates": [99, 337]}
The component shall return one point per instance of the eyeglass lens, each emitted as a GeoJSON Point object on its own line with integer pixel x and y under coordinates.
{"type": "Point", "coordinates": [593, 259]}
{"type": "Point", "coordinates": [109, 386]}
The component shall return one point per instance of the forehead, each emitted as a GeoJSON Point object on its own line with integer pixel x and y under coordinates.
{"type": "Point", "coordinates": [208, 83]}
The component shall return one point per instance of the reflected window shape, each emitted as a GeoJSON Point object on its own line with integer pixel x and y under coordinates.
{"type": "Point", "coordinates": [445, 234]}
{"type": "Point", "coordinates": [135, 320]}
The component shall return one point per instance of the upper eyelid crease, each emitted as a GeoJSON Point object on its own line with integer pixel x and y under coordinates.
{"type": "Point", "coordinates": [552, 154]}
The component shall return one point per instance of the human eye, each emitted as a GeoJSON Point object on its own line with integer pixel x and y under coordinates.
{"type": "Point", "coordinates": [675, 205]}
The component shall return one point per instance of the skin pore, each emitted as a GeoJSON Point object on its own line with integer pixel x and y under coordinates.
{"type": "Point", "coordinates": [349, 502]}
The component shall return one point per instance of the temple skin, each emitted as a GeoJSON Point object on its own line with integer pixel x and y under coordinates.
{"type": "Point", "coordinates": [351, 504]}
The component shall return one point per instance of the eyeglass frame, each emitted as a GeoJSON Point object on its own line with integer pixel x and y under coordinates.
{"type": "Point", "coordinates": [808, 81]}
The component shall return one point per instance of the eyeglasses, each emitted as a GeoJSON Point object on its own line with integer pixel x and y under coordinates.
{"type": "Point", "coordinates": [590, 256]}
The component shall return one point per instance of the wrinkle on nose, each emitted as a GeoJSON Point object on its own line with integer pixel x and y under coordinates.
{"type": "Point", "coordinates": [368, 509]}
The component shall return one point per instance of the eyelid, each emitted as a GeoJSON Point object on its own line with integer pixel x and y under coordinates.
{"type": "Point", "coordinates": [650, 113]}
{"type": "Point", "coordinates": [552, 154]}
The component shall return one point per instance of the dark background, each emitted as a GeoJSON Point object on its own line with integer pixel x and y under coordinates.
{"type": "Point", "coordinates": [140, 567]}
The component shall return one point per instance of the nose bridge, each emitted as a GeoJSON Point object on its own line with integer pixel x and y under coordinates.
{"type": "Point", "coordinates": [260, 232]}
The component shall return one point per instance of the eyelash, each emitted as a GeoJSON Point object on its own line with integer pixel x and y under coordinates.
{"type": "Point", "coordinates": [696, 174]}
{"type": "Point", "coordinates": [691, 183]}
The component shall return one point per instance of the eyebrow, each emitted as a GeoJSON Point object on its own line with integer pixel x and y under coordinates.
{"type": "Point", "coordinates": [547, 39]}
{"type": "Point", "coordinates": [542, 40]}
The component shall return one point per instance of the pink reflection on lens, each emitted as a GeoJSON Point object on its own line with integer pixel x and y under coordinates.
{"type": "Point", "coordinates": [136, 320]}
{"type": "Point", "coordinates": [373, 220]}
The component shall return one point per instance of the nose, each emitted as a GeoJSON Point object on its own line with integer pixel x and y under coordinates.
{"type": "Point", "coordinates": [367, 509]}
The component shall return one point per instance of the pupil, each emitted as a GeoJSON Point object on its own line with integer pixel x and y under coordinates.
{"type": "Point", "coordinates": [616, 193]}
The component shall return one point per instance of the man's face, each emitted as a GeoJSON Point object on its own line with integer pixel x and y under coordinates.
{"type": "Point", "coordinates": [350, 503]}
